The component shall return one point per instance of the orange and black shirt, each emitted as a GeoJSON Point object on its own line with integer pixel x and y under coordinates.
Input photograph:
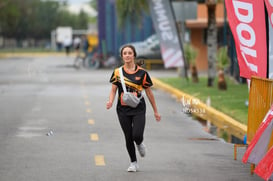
{"type": "Point", "coordinates": [134, 82]}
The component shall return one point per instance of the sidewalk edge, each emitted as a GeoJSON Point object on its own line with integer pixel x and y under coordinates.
{"type": "Point", "coordinates": [216, 117]}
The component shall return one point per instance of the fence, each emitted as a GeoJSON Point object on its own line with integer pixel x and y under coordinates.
{"type": "Point", "coordinates": [260, 101]}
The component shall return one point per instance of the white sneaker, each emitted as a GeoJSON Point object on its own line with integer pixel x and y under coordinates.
{"type": "Point", "coordinates": [133, 167]}
{"type": "Point", "coordinates": [141, 149]}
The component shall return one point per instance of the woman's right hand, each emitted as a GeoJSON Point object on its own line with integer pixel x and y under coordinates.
{"type": "Point", "coordinates": [108, 105]}
{"type": "Point", "coordinates": [111, 96]}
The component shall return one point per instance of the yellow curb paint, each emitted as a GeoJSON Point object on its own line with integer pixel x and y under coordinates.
{"type": "Point", "coordinates": [216, 117]}
{"type": "Point", "coordinates": [94, 137]}
{"type": "Point", "coordinates": [33, 54]}
{"type": "Point", "coordinates": [88, 110]}
{"type": "Point", "coordinates": [99, 160]}
{"type": "Point", "coordinates": [91, 121]}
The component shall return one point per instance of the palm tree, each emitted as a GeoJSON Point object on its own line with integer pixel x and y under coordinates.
{"type": "Point", "coordinates": [132, 10]}
{"type": "Point", "coordinates": [211, 41]}
{"type": "Point", "coordinates": [190, 55]}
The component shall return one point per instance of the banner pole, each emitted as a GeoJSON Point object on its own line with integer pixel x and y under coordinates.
{"type": "Point", "coordinates": [180, 42]}
{"type": "Point", "coordinates": [267, 41]}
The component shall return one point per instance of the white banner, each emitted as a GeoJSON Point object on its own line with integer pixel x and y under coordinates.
{"type": "Point", "coordinates": [259, 144]}
{"type": "Point", "coordinates": [166, 30]}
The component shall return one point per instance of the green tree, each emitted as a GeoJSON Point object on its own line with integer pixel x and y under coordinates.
{"type": "Point", "coordinates": [36, 18]}
{"type": "Point", "coordinates": [15, 18]}
{"type": "Point", "coordinates": [9, 16]}
{"type": "Point", "coordinates": [24, 19]}
{"type": "Point", "coordinates": [65, 18]}
{"type": "Point", "coordinates": [82, 20]}
{"type": "Point", "coordinates": [130, 11]}
{"type": "Point", "coordinates": [93, 4]}
{"type": "Point", "coordinates": [47, 12]}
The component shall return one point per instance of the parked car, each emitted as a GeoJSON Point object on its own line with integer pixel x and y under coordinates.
{"type": "Point", "coordinates": [148, 49]}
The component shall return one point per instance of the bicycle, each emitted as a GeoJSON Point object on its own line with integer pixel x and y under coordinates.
{"type": "Point", "coordinates": [85, 61]}
{"type": "Point", "coordinates": [95, 60]}
{"type": "Point", "coordinates": [78, 62]}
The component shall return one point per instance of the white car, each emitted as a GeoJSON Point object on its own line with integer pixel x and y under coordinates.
{"type": "Point", "coordinates": [148, 49]}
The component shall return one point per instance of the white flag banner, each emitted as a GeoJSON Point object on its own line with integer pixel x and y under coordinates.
{"type": "Point", "coordinates": [265, 167]}
{"type": "Point", "coordinates": [166, 31]}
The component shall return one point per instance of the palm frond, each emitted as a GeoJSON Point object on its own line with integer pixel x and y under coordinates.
{"type": "Point", "coordinates": [190, 53]}
{"type": "Point", "coordinates": [132, 11]}
{"type": "Point", "coordinates": [222, 58]}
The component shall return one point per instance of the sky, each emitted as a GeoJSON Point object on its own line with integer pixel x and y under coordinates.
{"type": "Point", "coordinates": [76, 5]}
{"type": "Point", "coordinates": [77, 1]}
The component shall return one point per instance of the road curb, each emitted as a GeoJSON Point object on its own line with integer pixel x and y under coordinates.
{"type": "Point", "coordinates": [31, 54]}
{"type": "Point", "coordinates": [200, 109]}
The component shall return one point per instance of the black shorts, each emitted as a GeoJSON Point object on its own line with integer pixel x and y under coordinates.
{"type": "Point", "coordinates": [77, 47]}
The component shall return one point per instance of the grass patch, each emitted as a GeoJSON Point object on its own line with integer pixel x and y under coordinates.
{"type": "Point", "coordinates": [230, 102]}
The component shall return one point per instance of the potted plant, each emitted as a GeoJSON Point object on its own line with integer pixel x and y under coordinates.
{"type": "Point", "coordinates": [190, 56]}
{"type": "Point", "coordinates": [222, 63]}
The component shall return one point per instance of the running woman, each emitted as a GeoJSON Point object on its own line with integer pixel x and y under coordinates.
{"type": "Point", "coordinates": [132, 120]}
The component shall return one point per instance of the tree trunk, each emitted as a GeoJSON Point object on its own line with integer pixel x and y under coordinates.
{"type": "Point", "coordinates": [194, 74]}
{"type": "Point", "coordinates": [211, 41]}
{"type": "Point", "coordinates": [222, 85]}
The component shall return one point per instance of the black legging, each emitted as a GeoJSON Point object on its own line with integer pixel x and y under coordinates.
{"type": "Point", "coordinates": [133, 129]}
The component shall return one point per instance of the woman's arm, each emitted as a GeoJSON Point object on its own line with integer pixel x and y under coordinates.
{"type": "Point", "coordinates": [151, 98]}
{"type": "Point", "coordinates": [111, 96]}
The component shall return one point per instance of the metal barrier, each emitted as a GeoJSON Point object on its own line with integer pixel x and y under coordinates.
{"type": "Point", "coordinates": [260, 101]}
{"type": "Point", "coordinates": [149, 62]}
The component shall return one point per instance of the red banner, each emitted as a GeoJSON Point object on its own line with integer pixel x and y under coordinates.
{"type": "Point", "coordinates": [247, 23]}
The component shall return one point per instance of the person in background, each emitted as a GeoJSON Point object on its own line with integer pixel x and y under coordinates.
{"type": "Point", "coordinates": [85, 46]}
{"type": "Point", "coordinates": [132, 120]}
{"type": "Point", "coordinates": [77, 45]}
{"type": "Point", "coordinates": [67, 44]}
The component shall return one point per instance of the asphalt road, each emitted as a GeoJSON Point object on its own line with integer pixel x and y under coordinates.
{"type": "Point", "coordinates": [54, 127]}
